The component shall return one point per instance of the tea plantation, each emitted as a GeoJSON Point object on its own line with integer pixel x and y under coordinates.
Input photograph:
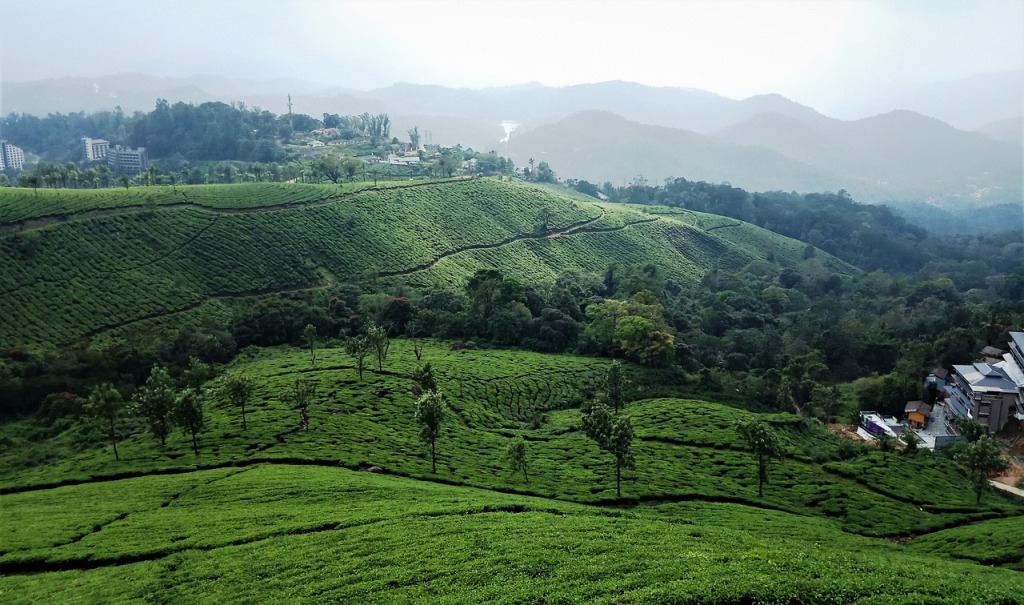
{"type": "Point", "coordinates": [279, 513]}
{"type": "Point", "coordinates": [93, 261]}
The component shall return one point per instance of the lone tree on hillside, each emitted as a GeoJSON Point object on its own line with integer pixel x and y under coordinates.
{"type": "Point", "coordinates": [545, 174]}
{"type": "Point", "coordinates": [614, 385]}
{"type": "Point", "coordinates": [516, 457]}
{"type": "Point", "coordinates": [154, 401]}
{"type": "Point", "coordinates": [188, 412]}
{"type": "Point", "coordinates": [544, 216]}
{"type": "Point", "coordinates": [197, 373]}
{"type": "Point", "coordinates": [309, 336]}
{"type": "Point", "coordinates": [415, 331]}
{"type": "Point", "coordinates": [981, 457]}
{"type": "Point", "coordinates": [359, 347]}
{"type": "Point", "coordinates": [424, 377]}
{"type": "Point", "coordinates": [614, 435]}
{"type": "Point", "coordinates": [430, 414]}
{"type": "Point", "coordinates": [237, 389]}
{"type": "Point", "coordinates": [105, 403]}
{"type": "Point", "coordinates": [761, 440]}
{"type": "Point", "coordinates": [301, 397]}
{"type": "Point", "coordinates": [381, 342]}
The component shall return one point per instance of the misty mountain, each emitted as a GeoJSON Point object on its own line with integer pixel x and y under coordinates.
{"type": "Point", "coordinates": [900, 156]}
{"type": "Point", "coordinates": [686, 108]}
{"type": "Point", "coordinates": [690, 109]}
{"type": "Point", "coordinates": [599, 146]}
{"type": "Point", "coordinates": [1010, 130]}
{"type": "Point", "coordinates": [966, 103]}
{"type": "Point", "coordinates": [617, 130]}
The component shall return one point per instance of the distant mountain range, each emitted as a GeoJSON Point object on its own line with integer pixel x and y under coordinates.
{"type": "Point", "coordinates": [617, 130]}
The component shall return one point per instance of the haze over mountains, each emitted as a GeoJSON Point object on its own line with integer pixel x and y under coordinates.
{"type": "Point", "coordinates": [900, 150]}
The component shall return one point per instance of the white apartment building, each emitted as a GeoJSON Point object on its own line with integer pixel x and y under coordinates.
{"type": "Point", "coordinates": [11, 157]}
{"type": "Point", "coordinates": [95, 149]}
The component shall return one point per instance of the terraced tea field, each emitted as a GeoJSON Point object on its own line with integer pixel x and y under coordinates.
{"type": "Point", "coordinates": [278, 513]}
{"type": "Point", "coordinates": [686, 449]}
{"type": "Point", "coordinates": [298, 533]}
{"type": "Point", "coordinates": [267, 513]}
{"type": "Point", "coordinates": [88, 264]}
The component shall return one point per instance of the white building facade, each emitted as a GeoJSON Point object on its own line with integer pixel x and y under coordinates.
{"type": "Point", "coordinates": [11, 157]}
{"type": "Point", "coordinates": [95, 149]}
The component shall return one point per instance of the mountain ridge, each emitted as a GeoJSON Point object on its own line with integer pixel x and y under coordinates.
{"type": "Point", "coordinates": [895, 156]}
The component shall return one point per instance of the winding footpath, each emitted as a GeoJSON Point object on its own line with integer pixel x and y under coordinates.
{"type": "Point", "coordinates": [579, 228]}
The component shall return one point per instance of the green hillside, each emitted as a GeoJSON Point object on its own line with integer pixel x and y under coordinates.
{"type": "Point", "coordinates": [283, 533]}
{"type": "Point", "coordinates": [266, 514]}
{"type": "Point", "coordinates": [274, 510]}
{"type": "Point", "coordinates": [79, 263]}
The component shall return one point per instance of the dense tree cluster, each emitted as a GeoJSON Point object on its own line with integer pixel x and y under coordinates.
{"type": "Point", "coordinates": [868, 236]}
{"type": "Point", "coordinates": [216, 142]}
{"type": "Point", "coordinates": [209, 131]}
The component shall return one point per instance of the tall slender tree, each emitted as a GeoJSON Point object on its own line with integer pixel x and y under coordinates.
{"type": "Point", "coordinates": [430, 410]}
{"type": "Point", "coordinates": [763, 443]}
{"type": "Point", "coordinates": [309, 336]}
{"type": "Point", "coordinates": [155, 402]}
{"type": "Point", "coordinates": [424, 378]}
{"type": "Point", "coordinates": [359, 348]}
{"type": "Point", "coordinates": [303, 392]}
{"type": "Point", "coordinates": [614, 386]}
{"type": "Point", "coordinates": [381, 342]}
{"type": "Point", "coordinates": [105, 402]}
{"type": "Point", "coordinates": [238, 389]}
{"type": "Point", "coordinates": [188, 413]}
{"type": "Point", "coordinates": [612, 434]}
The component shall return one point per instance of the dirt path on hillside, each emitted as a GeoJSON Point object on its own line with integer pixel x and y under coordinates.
{"type": "Point", "coordinates": [579, 228]}
{"type": "Point", "coordinates": [574, 229]}
{"type": "Point", "coordinates": [39, 222]}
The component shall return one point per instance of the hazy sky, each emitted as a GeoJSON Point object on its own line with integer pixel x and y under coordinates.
{"type": "Point", "coordinates": [813, 51]}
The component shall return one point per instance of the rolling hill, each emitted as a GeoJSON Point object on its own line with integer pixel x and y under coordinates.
{"type": "Point", "coordinates": [277, 511]}
{"type": "Point", "coordinates": [599, 146]}
{"type": "Point", "coordinates": [901, 156]}
{"type": "Point", "coordinates": [616, 130]}
{"type": "Point", "coordinates": [115, 258]}
{"type": "Point", "coordinates": [267, 513]}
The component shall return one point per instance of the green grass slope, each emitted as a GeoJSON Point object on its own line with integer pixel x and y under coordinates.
{"type": "Point", "coordinates": [686, 449]}
{"type": "Point", "coordinates": [995, 542]}
{"type": "Point", "coordinates": [277, 513]}
{"type": "Point", "coordinates": [92, 261]}
{"type": "Point", "coordinates": [275, 533]}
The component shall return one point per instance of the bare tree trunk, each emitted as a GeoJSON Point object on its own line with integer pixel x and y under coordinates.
{"type": "Point", "coordinates": [618, 479]}
{"type": "Point", "coordinates": [113, 439]}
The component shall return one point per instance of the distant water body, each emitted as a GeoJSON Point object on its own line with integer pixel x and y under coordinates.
{"type": "Point", "coordinates": [509, 126]}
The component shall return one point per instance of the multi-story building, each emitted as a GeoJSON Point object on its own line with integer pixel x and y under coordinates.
{"type": "Point", "coordinates": [1013, 364]}
{"type": "Point", "coordinates": [123, 160]}
{"type": "Point", "coordinates": [11, 157]}
{"type": "Point", "coordinates": [95, 149]}
{"type": "Point", "coordinates": [984, 393]}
